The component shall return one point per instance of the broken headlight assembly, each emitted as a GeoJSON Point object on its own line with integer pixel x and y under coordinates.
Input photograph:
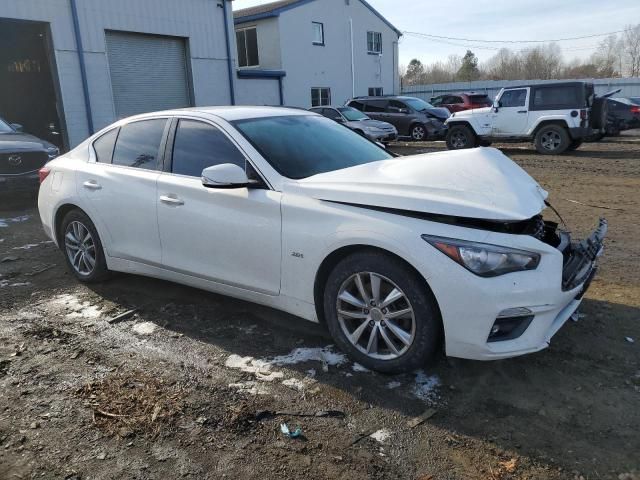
{"type": "Point", "coordinates": [483, 259]}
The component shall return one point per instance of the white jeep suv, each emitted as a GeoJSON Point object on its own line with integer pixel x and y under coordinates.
{"type": "Point", "coordinates": [554, 116]}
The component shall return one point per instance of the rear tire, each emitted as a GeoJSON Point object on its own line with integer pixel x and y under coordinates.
{"type": "Point", "coordinates": [460, 137]}
{"type": "Point", "coordinates": [79, 241]}
{"type": "Point", "coordinates": [552, 140]}
{"type": "Point", "coordinates": [392, 324]}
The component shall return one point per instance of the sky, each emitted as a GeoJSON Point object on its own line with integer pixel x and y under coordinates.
{"type": "Point", "coordinates": [498, 20]}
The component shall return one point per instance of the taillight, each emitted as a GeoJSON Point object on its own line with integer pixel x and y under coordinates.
{"type": "Point", "coordinates": [635, 109]}
{"type": "Point", "coordinates": [43, 173]}
{"type": "Point", "coordinates": [583, 114]}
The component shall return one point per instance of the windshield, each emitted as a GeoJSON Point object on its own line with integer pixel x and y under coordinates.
{"type": "Point", "coordinates": [301, 146]}
{"type": "Point", "coordinates": [5, 127]}
{"type": "Point", "coordinates": [352, 114]}
{"type": "Point", "coordinates": [417, 104]}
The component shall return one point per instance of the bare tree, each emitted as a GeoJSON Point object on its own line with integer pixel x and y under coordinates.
{"type": "Point", "coordinates": [631, 46]}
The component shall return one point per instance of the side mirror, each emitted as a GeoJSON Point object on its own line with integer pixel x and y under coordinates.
{"type": "Point", "coordinates": [226, 175]}
{"type": "Point", "coordinates": [17, 127]}
{"type": "Point", "coordinates": [404, 110]}
{"type": "Point", "coordinates": [496, 105]}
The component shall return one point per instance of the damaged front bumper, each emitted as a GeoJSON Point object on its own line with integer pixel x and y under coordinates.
{"type": "Point", "coordinates": [531, 306]}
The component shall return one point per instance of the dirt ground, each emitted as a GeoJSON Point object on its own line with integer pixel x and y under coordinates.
{"type": "Point", "coordinates": [197, 385]}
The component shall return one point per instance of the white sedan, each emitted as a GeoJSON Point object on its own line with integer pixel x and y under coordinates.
{"type": "Point", "coordinates": [286, 208]}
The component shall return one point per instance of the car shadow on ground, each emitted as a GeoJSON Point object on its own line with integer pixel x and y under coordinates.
{"type": "Point", "coordinates": [554, 405]}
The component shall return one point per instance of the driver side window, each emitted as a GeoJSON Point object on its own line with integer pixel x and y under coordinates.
{"type": "Point", "coordinates": [514, 98]}
{"type": "Point", "coordinates": [199, 145]}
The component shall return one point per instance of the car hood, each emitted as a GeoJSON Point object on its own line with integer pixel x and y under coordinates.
{"type": "Point", "coordinates": [370, 123]}
{"type": "Point", "coordinates": [472, 111]}
{"type": "Point", "coordinates": [14, 142]}
{"type": "Point", "coordinates": [478, 183]}
{"type": "Point", "coordinates": [439, 112]}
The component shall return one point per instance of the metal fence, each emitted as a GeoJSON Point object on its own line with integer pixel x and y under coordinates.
{"type": "Point", "coordinates": [630, 87]}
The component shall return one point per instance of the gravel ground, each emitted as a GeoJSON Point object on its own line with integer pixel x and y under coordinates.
{"type": "Point", "coordinates": [197, 385]}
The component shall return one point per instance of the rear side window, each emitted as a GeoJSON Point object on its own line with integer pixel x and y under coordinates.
{"type": "Point", "coordinates": [358, 105]}
{"type": "Point", "coordinates": [375, 106]}
{"type": "Point", "coordinates": [482, 99]}
{"type": "Point", "coordinates": [199, 145]}
{"type": "Point", "coordinates": [138, 144]}
{"type": "Point", "coordinates": [514, 98]}
{"type": "Point", "coordinates": [558, 97]}
{"type": "Point", "coordinates": [103, 146]}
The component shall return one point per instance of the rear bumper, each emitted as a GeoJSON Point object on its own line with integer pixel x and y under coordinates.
{"type": "Point", "coordinates": [27, 182]}
{"type": "Point", "coordinates": [580, 132]}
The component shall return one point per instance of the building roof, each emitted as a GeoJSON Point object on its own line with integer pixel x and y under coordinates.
{"type": "Point", "coordinates": [274, 9]}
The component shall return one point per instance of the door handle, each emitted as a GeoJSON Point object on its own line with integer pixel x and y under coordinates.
{"type": "Point", "coordinates": [522, 111]}
{"type": "Point", "coordinates": [171, 200]}
{"type": "Point", "coordinates": [92, 185]}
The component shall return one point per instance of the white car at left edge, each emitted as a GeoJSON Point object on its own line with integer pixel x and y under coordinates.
{"type": "Point", "coordinates": [398, 256]}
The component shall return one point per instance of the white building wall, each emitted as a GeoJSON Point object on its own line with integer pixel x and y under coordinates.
{"type": "Point", "coordinates": [258, 91]}
{"type": "Point", "coordinates": [308, 65]}
{"type": "Point", "coordinates": [200, 21]}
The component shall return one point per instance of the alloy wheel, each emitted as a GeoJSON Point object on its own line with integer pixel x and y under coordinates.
{"type": "Point", "coordinates": [551, 140]}
{"type": "Point", "coordinates": [458, 140]}
{"type": "Point", "coordinates": [80, 247]}
{"type": "Point", "coordinates": [376, 316]}
{"type": "Point", "coordinates": [418, 133]}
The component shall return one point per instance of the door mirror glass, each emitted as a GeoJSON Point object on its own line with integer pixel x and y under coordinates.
{"type": "Point", "coordinates": [17, 127]}
{"type": "Point", "coordinates": [225, 175]}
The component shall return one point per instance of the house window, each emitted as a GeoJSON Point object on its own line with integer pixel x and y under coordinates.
{"type": "Point", "coordinates": [375, 92]}
{"type": "Point", "coordinates": [320, 97]}
{"type": "Point", "coordinates": [247, 40]}
{"type": "Point", "coordinates": [374, 42]}
{"type": "Point", "coordinates": [318, 33]}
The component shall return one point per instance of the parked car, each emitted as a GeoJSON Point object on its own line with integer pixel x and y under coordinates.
{"type": "Point", "coordinates": [374, 130]}
{"type": "Point", "coordinates": [554, 116]}
{"type": "Point", "coordinates": [622, 114]}
{"type": "Point", "coordinates": [413, 117]}
{"type": "Point", "coordinates": [21, 156]}
{"type": "Point", "coordinates": [458, 102]}
{"type": "Point", "coordinates": [288, 209]}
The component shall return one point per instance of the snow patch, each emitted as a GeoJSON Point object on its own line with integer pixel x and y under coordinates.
{"type": "Point", "coordinates": [79, 308]}
{"type": "Point", "coordinates": [392, 385]}
{"type": "Point", "coordinates": [324, 355]}
{"type": "Point", "coordinates": [144, 328]}
{"type": "Point", "coordinates": [426, 386]}
{"type": "Point", "coordinates": [381, 435]}
{"type": "Point", "coordinates": [359, 368]}
{"type": "Point", "coordinates": [5, 283]}
{"type": "Point", "coordinates": [260, 368]}
{"type": "Point", "coordinates": [4, 222]}
{"type": "Point", "coordinates": [251, 387]}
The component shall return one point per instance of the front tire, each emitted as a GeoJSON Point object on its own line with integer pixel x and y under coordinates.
{"type": "Point", "coordinates": [552, 140]}
{"type": "Point", "coordinates": [82, 248]}
{"type": "Point", "coordinates": [419, 133]}
{"type": "Point", "coordinates": [381, 313]}
{"type": "Point", "coordinates": [460, 137]}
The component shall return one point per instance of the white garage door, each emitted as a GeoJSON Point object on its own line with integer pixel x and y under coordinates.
{"type": "Point", "coordinates": [148, 72]}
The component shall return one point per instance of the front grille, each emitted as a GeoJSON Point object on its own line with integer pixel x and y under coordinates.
{"type": "Point", "coordinates": [18, 163]}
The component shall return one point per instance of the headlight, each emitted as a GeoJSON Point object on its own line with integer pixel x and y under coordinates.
{"type": "Point", "coordinates": [53, 152]}
{"type": "Point", "coordinates": [483, 259]}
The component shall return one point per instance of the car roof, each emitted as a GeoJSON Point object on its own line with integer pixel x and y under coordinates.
{"type": "Point", "coordinates": [228, 113]}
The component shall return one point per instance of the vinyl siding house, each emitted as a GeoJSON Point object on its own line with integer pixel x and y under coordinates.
{"type": "Point", "coordinates": [306, 53]}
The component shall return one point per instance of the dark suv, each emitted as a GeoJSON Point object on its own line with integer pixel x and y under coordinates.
{"type": "Point", "coordinates": [458, 102]}
{"type": "Point", "coordinates": [413, 117]}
